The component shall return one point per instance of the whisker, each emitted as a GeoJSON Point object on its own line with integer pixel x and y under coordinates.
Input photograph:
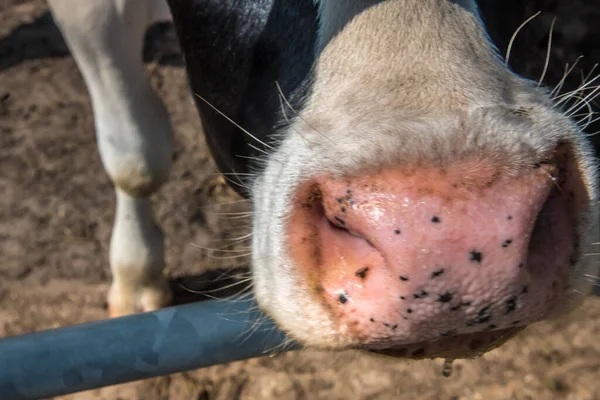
{"type": "Point", "coordinates": [243, 251]}
{"type": "Point", "coordinates": [246, 213]}
{"type": "Point", "coordinates": [579, 292]}
{"type": "Point", "coordinates": [253, 328]}
{"type": "Point", "coordinates": [232, 217]}
{"type": "Point", "coordinates": [560, 83]}
{"type": "Point", "coordinates": [589, 116]}
{"type": "Point", "coordinates": [581, 89]}
{"type": "Point", "coordinates": [232, 121]}
{"type": "Point", "coordinates": [548, 51]}
{"type": "Point", "coordinates": [249, 157]}
{"type": "Point", "coordinates": [239, 239]}
{"type": "Point", "coordinates": [591, 276]}
{"type": "Point", "coordinates": [590, 122]}
{"type": "Point", "coordinates": [584, 86]}
{"type": "Point", "coordinates": [286, 345]}
{"type": "Point", "coordinates": [225, 203]}
{"type": "Point", "coordinates": [239, 184]}
{"type": "Point", "coordinates": [257, 149]}
{"type": "Point", "coordinates": [237, 298]}
{"type": "Point", "coordinates": [230, 173]}
{"type": "Point", "coordinates": [585, 101]}
{"type": "Point", "coordinates": [585, 79]}
{"type": "Point", "coordinates": [243, 255]}
{"type": "Point", "coordinates": [298, 114]}
{"type": "Point", "coordinates": [216, 290]}
{"type": "Point", "coordinates": [514, 36]}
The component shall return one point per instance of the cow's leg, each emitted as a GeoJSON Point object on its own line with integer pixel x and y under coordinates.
{"type": "Point", "coordinates": [134, 137]}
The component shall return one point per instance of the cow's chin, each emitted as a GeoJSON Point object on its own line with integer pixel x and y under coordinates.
{"type": "Point", "coordinates": [470, 345]}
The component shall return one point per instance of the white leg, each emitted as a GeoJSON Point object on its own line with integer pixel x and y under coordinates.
{"type": "Point", "coordinates": [133, 133]}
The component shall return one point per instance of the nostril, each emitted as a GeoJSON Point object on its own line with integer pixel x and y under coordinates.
{"type": "Point", "coordinates": [329, 215]}
{"type": "Point", "coordinates": [337, 216]}
{"type": "Point", "coordinates": [338, 226]}
{"type": "Point", "coordinates": [325, 237]}
{"type": "Point", "coordinates": [339, 222]}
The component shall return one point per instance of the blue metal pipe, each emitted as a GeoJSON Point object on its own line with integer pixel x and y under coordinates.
{"type": "Point", "coordinates": [92, 355]}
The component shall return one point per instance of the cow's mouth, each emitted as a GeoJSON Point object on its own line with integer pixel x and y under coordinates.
{"type": "Point", "coordinates": [471, 345]}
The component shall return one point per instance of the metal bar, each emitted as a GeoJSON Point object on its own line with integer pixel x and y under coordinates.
{"type": "Point", "coordinates": [92, 355]}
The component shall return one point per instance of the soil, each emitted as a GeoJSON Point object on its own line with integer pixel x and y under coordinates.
{"type": "Point", "coordinates": [56, 212]}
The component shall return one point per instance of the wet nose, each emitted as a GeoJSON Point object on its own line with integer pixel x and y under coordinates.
{"type": "Point", "coordinates": [405, 255]}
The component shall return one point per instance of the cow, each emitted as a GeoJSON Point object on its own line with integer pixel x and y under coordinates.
{"type": "Point", "coordinates": [411, 195]}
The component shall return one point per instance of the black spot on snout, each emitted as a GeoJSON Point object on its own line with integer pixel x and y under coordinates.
{"type": "Point", "coordinates": [478, 320]}
{"type": "Point", "coordinates": [445, 297]}
{"type": "Point", "coordinates": [362, 273]}
{"type": "Point", "coordinates": [475, 256]}
{"type": "Point", "coordinates": [506, 243]}
{"type": "Point", "coordinates": [343, 297]}
{"type": "Point", "coordinates": [511, 304]}
{"type": "Point", "coordinates": [435, 219]}
{"type": "Point", "coordinates": [437, 273]}
{"type": "Point", "coordinates": [459, 305]}
{"type": "Point", "coordinates": [451, 332]}
{"type": "Point", "coordinates": [397, 231]}
{"type": "Point", "coordinates": [403, 278]}
{"type": "Point", "coordinates": [421, 294]}
{"type": "Point", "coordinates": [483, 316]}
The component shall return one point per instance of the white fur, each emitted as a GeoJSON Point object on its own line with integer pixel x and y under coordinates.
{"type": "Point", "coordinates": [133, 132]}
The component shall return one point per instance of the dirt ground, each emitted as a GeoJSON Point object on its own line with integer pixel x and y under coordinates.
{"type": "Point", "coordinates": [56, 210]}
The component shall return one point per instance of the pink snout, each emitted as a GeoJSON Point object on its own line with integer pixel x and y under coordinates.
{"type": "Point", "coordinates": [434, 261]}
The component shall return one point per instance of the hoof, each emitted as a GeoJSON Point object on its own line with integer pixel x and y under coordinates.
{"type": "Point", "coordinates": [127, 300]}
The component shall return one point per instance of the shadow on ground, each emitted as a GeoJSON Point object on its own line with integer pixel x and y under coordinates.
{"type": "Point", "coordinates": [42, 39]}
{"type": "Point", "coordinates": [216, 284]}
